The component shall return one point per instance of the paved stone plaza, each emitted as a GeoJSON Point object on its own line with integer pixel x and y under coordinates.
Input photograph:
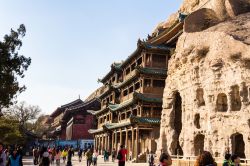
{"type": "Point", "coordinates": [75, 162]}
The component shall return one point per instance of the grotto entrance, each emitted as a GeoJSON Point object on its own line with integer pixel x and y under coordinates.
{"type": "Point", "coordinates": [238, 145]}
{"type": "Point", "coordinates": [199, 144]}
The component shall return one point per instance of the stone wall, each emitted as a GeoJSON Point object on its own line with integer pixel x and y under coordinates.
{"type": "Point", "coordinates": [206, 98]}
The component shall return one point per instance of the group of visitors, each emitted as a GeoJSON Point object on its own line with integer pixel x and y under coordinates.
{"type": "Point", "coordinates": [11, 156]}
{"type": "Point", "coordinates": [46, 156]}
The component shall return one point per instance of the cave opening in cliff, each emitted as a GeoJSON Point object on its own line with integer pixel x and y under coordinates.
{"type": "Point", "coordinates": [199, 97]}
{"type": "Point", "coordinates": [235, 98]}
{"type": "Point", "coordinates": [221, 103]}
{"type": "Point", "coordinates": [238, 145]}
{"type": "Point", "coordinates": [178, 121]}
{"type": "Point", "coordinates": [197, 121]}
{"type": "Point", "coordinates": [199, 144]}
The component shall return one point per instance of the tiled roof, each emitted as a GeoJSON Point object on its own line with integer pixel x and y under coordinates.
{"type": "Point", "coordinates": [142, 70]}
{"type": "Point", "coordinates": [145, 120]}
{"type": "Point", "coordinates": [146, 98]}
{"type": "Point", "coordinates": [116, 125]}
{"type": "Point", "coordinates": [145, 70]}
{"type": "Point", "coordinates": [115, 107]}
{"type": "Point", "coordinates": [136, 96]}
{"type": "Point", "coordinates": [96, 112]}
{"type": "Point", "coordinates": [61, 109]}
{"type": "Point", "coordinates": [93, 131]}
{"type": "Point", "coordinates": [143, 45]}
{"type": "Point", "coordinates": [116, 66]}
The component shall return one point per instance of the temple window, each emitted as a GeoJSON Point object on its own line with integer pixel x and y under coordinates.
{"type": "Point", "coordinates": [135, 112]}
{"type": "Point", "coordinates": [137, 85]}
{"type": "Point", "coordinates": [147, 82]}
{"type": "Point", "coordinates": [148, 59]}
{"type": "Point", "coordinates": [113, 79]}
{"type": "Point", "coordinates": [221, 103]}
{"type": "Point", "coordinates": [139, 61]}
{"type": "Point", "coordinates": [131, 89]}
{"type": "Point", "coordinates": [159, 60]}
{"type": "Point", "coordinates": [235, 98]}
{"type": "Point", "coordinates": [146, 111]}
{"type": "Point", "coordinates": [122, 116]}
{"type": "Point", "coordinates": [111, 97]}
{"type": "Point", "coordinates": [157, 111]}
{"type": "Point", "coordinates": [199, 97]}
{"type": "Point", "coordinates": [127, 71]}
{"type": "Point", "coordinates": [159, 83]}
{"type": "Point", "coordinates": [125, 92]}
{"type": "Point", "coordinates": [132, 66]}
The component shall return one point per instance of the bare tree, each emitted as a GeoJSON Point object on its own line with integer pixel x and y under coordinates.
{"type": "Point", "coordinates": [23, 113]}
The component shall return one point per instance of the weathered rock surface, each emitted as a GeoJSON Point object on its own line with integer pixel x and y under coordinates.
{"type": "Point", "coordinates": [207, 93]}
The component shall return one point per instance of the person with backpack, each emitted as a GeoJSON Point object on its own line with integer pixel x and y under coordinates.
{"type": "Point", "coordinates": [15, 159]}
{"type": "Point", "coordinates": [151, 158]}
{"type": "Point", "coordinates": [2, 155]}
{"type": "Point", "coordinates": [121, 156]}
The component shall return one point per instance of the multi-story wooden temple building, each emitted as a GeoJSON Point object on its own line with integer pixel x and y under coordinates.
{"type": "Point", "coordinates": [131, 102]}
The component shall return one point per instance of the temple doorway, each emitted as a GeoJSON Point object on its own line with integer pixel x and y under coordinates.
{"type": "Point", "coordinates": [238, 145]}
{"type": "Point", "coordinates": [199, 144]}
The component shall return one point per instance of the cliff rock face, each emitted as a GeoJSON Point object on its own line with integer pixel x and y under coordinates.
{"type": "Point", "coordinates": [207, 94]}
{"type": "Point", "coordinates": [206, 13]}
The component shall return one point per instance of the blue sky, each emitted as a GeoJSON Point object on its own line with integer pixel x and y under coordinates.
{"type": "Point", "coordinates": [73, 43]}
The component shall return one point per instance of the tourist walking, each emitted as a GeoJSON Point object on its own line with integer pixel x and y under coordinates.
{"type": "Point", "coordinates": [121, 156]}
{"type": "Point", "coordinates": [165, 160]}
{"type": "Point", "coordinates": [35, 156]}
{"type": "Point", "coordinates": [15, 159]}
{"type": "Point", "coordinates": [80, 154]}
{"type": "Point", "coordinates": [2, 155]}
{"type": "Point", "coordinates": [113, 153]}
{"type": "Point", "coordinates": [227, 161]}
{"type": "Point", "coordinates": [70, 154]}
{"type": "Point", "coordinates": [151, 158]}
{"type": "Point", "coordinates": [105, 155]}
{"type": "Point", "coordinates": [57, 156]}
{"type": "Point", "coordinates": [64, 154]}
{"type": "Point", "coordinates": [45, 157]}
{"type": "Point", "coordinates": [89, 157]}
{"type": "Point", "coordinates": [235, 160]}
{"type": "Point", "coordinates": [94, 158]}
{"type": "Point", "coordinates": [205, 159]}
